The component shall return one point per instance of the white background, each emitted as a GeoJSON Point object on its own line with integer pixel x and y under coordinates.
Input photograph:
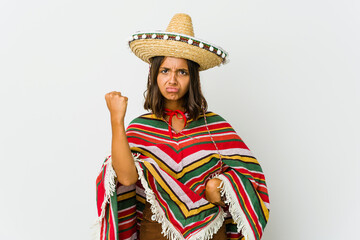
{"type": "Point", "coordinates": [291, 90]}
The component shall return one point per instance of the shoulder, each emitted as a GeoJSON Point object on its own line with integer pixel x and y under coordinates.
{"type": "Point", "coordinates": [142, 117]}
{"type": "Point", "coordinates": [212, 117]}
{"type": "Point", "coordinates": [145, 119]}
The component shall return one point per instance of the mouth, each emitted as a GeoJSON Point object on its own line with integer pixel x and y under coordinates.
{"type": "Point", "coordinates": [172, 90]}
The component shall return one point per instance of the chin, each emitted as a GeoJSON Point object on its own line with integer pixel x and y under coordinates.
{"type": "Point", "coordinates": [172, 97]}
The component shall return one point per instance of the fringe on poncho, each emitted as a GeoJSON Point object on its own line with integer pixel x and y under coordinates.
{"type": "Point", "coordinates": [172, 177]}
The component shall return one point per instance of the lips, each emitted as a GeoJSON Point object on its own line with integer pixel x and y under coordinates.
{"type": "Point", "coordinates": [172, 90]}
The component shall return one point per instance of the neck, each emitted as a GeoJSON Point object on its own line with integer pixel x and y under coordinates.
{"type": "Point", "coordinates": [174, 105]}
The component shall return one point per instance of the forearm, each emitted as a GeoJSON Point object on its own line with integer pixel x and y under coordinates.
{"type": "Point", "coordinates": [122, 159]}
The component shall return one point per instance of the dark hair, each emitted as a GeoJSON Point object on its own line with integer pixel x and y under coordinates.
{"type": "Point", "coordinates": [193, 100]}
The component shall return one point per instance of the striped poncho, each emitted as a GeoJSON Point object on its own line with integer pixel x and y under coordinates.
{"type": "Point", "coordinates": [173, 173]}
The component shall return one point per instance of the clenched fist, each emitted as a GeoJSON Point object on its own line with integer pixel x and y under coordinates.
{"type": "Point", "coordinates": [117, 105]}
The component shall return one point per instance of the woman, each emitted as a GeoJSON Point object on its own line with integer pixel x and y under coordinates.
{"type": "Point", "coordinates": [178, 172]}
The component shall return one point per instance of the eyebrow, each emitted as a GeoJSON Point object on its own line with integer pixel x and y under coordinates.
{"type": "Point", "coordinates": [183, 69]}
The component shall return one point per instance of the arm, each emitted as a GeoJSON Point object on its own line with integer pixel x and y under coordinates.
{"type": "Point", "coordinates": [122, 159]}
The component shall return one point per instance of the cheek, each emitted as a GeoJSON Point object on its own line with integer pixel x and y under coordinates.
{"type": "Point", "coordinates": [159, 82]}
{"type": "Point", "coordinates": [162, 79]}
{"type": "Point", "coordinates": [187, 85]}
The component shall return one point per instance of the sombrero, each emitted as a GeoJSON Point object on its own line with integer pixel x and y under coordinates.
{"type": "Point", "coordinates": [177, 41]}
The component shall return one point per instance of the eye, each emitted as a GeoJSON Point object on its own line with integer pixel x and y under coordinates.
{"type": "Point", "coordinates": [183, 72]}
{"type": "Point", "coordinates": [164, 70]}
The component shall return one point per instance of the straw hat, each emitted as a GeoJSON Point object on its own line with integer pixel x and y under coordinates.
{"type": "Point", "coordinates": [177, 41]}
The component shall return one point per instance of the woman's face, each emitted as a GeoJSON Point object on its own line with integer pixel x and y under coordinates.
{"type": "Point", "coordinates": [173, 78]}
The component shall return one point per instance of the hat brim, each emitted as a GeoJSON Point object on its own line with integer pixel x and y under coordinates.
{"type": "Point", "coordinates": [147, 48]}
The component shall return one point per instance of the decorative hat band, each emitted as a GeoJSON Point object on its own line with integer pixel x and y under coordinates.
{"type": "Point", "coordinates": [180, 38]}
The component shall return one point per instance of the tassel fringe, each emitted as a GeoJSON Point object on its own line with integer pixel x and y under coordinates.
{"type": "Point", "coordinates": [208, 232]}
{"type": "Point", "coordinates": [235, 210]}
{"type": "Point", "coordinates": [168, 230]}
{"type": "Point", "coordinates": [110, 188]}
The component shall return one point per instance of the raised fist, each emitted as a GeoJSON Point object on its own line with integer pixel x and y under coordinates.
{"type": "Point", "coordinates": [117, 105]}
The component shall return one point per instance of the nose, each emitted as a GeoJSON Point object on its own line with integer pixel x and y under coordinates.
{"type": "Point", "coordinates": [172, 79]}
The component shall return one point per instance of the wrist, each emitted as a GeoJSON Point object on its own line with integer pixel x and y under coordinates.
{"type": "Point", "coordinates": [117, 126]}
{"type": "Point", "coordinates": [115, 121]}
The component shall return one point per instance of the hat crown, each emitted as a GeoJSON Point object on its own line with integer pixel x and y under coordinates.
{"type": "Point", "coordinates": [181, 23]}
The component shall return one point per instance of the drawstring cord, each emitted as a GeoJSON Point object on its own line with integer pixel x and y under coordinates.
{"type": "Point", "coordinates": [212, 139]}
{"type": "Point", "coordinates": [175, 113]}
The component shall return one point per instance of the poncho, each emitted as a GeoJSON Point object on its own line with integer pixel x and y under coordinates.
{"type": "Point", "coordinates": [172, 176]}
